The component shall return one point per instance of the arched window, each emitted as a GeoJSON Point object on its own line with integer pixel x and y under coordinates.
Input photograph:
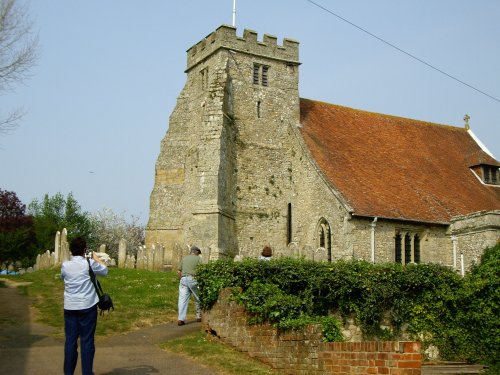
{"type": "Point", "coordinates": [325, 237]}
{"type": "Point", "coordinates": [398, 258]}
{"type": "Point", "coordinates": [416, 249]}
{"type": "Point", "coordinates": [407, 248]}
{"type": "Point", "coordinates": [322, 236]}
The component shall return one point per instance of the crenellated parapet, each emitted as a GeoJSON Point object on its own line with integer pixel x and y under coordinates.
{"type": "Point", "coordinates": [225, 37]}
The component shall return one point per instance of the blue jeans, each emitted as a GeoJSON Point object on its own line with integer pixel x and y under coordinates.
{"type": "Point", "coordinates": [188, 286]}
{"type": "Point", "coordinates": [79, 323]}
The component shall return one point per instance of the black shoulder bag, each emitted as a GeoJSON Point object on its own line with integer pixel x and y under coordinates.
{"type": "Point", "coordinates": [105, 303]}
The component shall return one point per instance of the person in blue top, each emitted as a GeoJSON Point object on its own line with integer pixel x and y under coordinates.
{"type": "Point", "coordinates": [80, 306]}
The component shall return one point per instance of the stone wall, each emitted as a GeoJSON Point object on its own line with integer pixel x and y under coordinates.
{"type": "Point", "coordinates": [473, 233]}
{"type": "Point", "coordinates": [435, 242]}
{"type": "Point", "coordinates": [304, 352]}
{"type": "Point", "coordinates": [233, 166]}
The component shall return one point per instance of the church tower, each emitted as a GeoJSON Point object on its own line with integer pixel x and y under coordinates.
{"type": "Point", "coordinates": [222, 180]}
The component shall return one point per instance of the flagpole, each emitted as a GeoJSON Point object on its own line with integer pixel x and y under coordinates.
{"type": "Point", "coordinates": [234, 13]}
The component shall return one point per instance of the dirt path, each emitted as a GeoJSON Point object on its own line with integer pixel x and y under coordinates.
{"type": "Point", "coordinates": [28, 348]}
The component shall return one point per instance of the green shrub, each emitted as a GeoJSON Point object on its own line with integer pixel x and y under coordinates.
{"type": "Point", "coordinates": [432, 303]}
{"type": "Point", "coordinates": [479, 313]}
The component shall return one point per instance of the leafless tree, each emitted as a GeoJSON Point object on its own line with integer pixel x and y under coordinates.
{"type": "Point", "coordinates": [109, 228]}
{"type": "Point", "coordinates": [18, 54]}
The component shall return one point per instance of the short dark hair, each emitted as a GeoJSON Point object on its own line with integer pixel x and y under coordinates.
{"type": "Point", "coordinates": [195, 250]}
{"type": "Point", "coordinates": [267, 252]}
{"type": "Point", "coordinates": [77, 246]}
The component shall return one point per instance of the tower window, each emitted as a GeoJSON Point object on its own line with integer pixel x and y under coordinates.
{"type": "Point", "coordinates": [260, 74]}
{"type": "Point", "coordinates": [256, 71]}
{"type": "Point", "coordinates": [265, 70]}
{"type": "Point", "coordinates": [204, 78]}
{"type": "Point", "coordinates": [258, 109]}
{"type": "Point", "coordinates": [289, 224]}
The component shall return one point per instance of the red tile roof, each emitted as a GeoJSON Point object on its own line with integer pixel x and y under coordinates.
{"type": "Point", "coordinates": [394, 167]}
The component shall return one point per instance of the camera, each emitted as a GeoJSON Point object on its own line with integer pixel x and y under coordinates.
{"type": "Point", "coordinates": [88, 254]}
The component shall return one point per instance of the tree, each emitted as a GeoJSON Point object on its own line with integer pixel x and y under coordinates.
{"type": "Point", "coordinates": [109, 228]}
{"type": "Point", "coordinates": [53, 214]}
{"type": "Point", "coordinates": [18, 54]}
{"type": "Point", "coordinates": [11, 206]}
{"type": "Point", "coordinates": [17, 235]}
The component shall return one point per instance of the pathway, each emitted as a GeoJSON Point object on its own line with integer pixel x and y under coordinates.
{"type": "Point", "coordinates": [28, 348]}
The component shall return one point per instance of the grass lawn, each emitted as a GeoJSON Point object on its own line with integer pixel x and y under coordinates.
{"type": "Point", "coordinates": [141, 298]}
{"type": "Point", "coordinates": [216, 355]}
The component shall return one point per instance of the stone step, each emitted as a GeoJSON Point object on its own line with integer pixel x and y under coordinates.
{"type": "Point", "coordinates": [452, 369]}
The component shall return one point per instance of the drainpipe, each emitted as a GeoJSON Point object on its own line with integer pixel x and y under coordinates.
{"type": "Point", "coordinates": [462, 265]}
{"type": "Point", "coordinates": [454, 242]}
{"type": "Point", "coordinates": [373, 225]}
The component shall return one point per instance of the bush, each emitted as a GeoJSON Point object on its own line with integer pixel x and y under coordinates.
{"type": "Point", "coordinates": [479, 313]}
{"type": "Point", "coordinates": [430, 302]}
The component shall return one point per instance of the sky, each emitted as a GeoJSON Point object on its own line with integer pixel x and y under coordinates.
{"type": "Point", "coordinates": [109, 73]}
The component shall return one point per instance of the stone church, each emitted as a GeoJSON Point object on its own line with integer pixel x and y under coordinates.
{"type": "Point", "coordinates": [246, 163]}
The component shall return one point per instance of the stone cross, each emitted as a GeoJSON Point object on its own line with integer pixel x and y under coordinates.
{"type": "Point", "coordinates": [466, 119]}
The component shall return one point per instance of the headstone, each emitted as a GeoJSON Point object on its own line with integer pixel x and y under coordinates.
{"type": "Point", "coordinates": [158, 258]}
{"type": "Point", "coordinates": [64, 250]}
{"type": "Point", "coordinates": [37, 263]}
{"type": "Point", "coordinates": [141, 251]}
{"type": "Point", "coordinates": [293, 250]}
{"type": "Point", "coordinates": [308, 252]}
{"type": "Point", "coordinates": [45, 260]}
{"type": "Point", "coordinates": [52, 259]}
{"type": "Point", "coordinates": [122, 253]}
{"type": "Point", "coordinates": [150, 257]}
{"type": "Point", "coordinates": [130, 262]}
{"type": "Point", "coordinates": [57, 247]}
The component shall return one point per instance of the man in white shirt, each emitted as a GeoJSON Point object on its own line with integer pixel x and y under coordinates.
{"type": "Point", "coordinates": [80, 307]}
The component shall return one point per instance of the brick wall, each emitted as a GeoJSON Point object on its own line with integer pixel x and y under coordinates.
{"type": "Point", "coordinates": [371, 357]}
{"type": "Point", "coordinates": [304, 352]}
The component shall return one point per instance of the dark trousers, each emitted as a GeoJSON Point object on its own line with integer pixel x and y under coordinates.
{"type": "Point", "coordinates": [79, 323]}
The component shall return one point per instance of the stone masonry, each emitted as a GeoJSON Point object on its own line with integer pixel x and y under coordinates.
{"type": "Point", "coordinates": [234, 174]}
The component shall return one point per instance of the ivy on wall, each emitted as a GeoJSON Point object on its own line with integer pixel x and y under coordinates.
{"type": "Point", "coordinates": [429, 302]}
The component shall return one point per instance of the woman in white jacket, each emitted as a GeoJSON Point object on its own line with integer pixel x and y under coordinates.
{"type": "Point", "coordinates": [80, 307]}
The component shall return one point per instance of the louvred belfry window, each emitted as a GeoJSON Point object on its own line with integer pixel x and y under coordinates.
{"type": "Point", "coordinates": [260, 74]}
{"type": "Point", "coordinates": [265, 70]}
{"type": "Point", "coordinates": [256, 71]}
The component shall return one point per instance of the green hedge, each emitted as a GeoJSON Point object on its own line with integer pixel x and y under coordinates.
{"type": "Point", "coordinates": [429, 302]}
